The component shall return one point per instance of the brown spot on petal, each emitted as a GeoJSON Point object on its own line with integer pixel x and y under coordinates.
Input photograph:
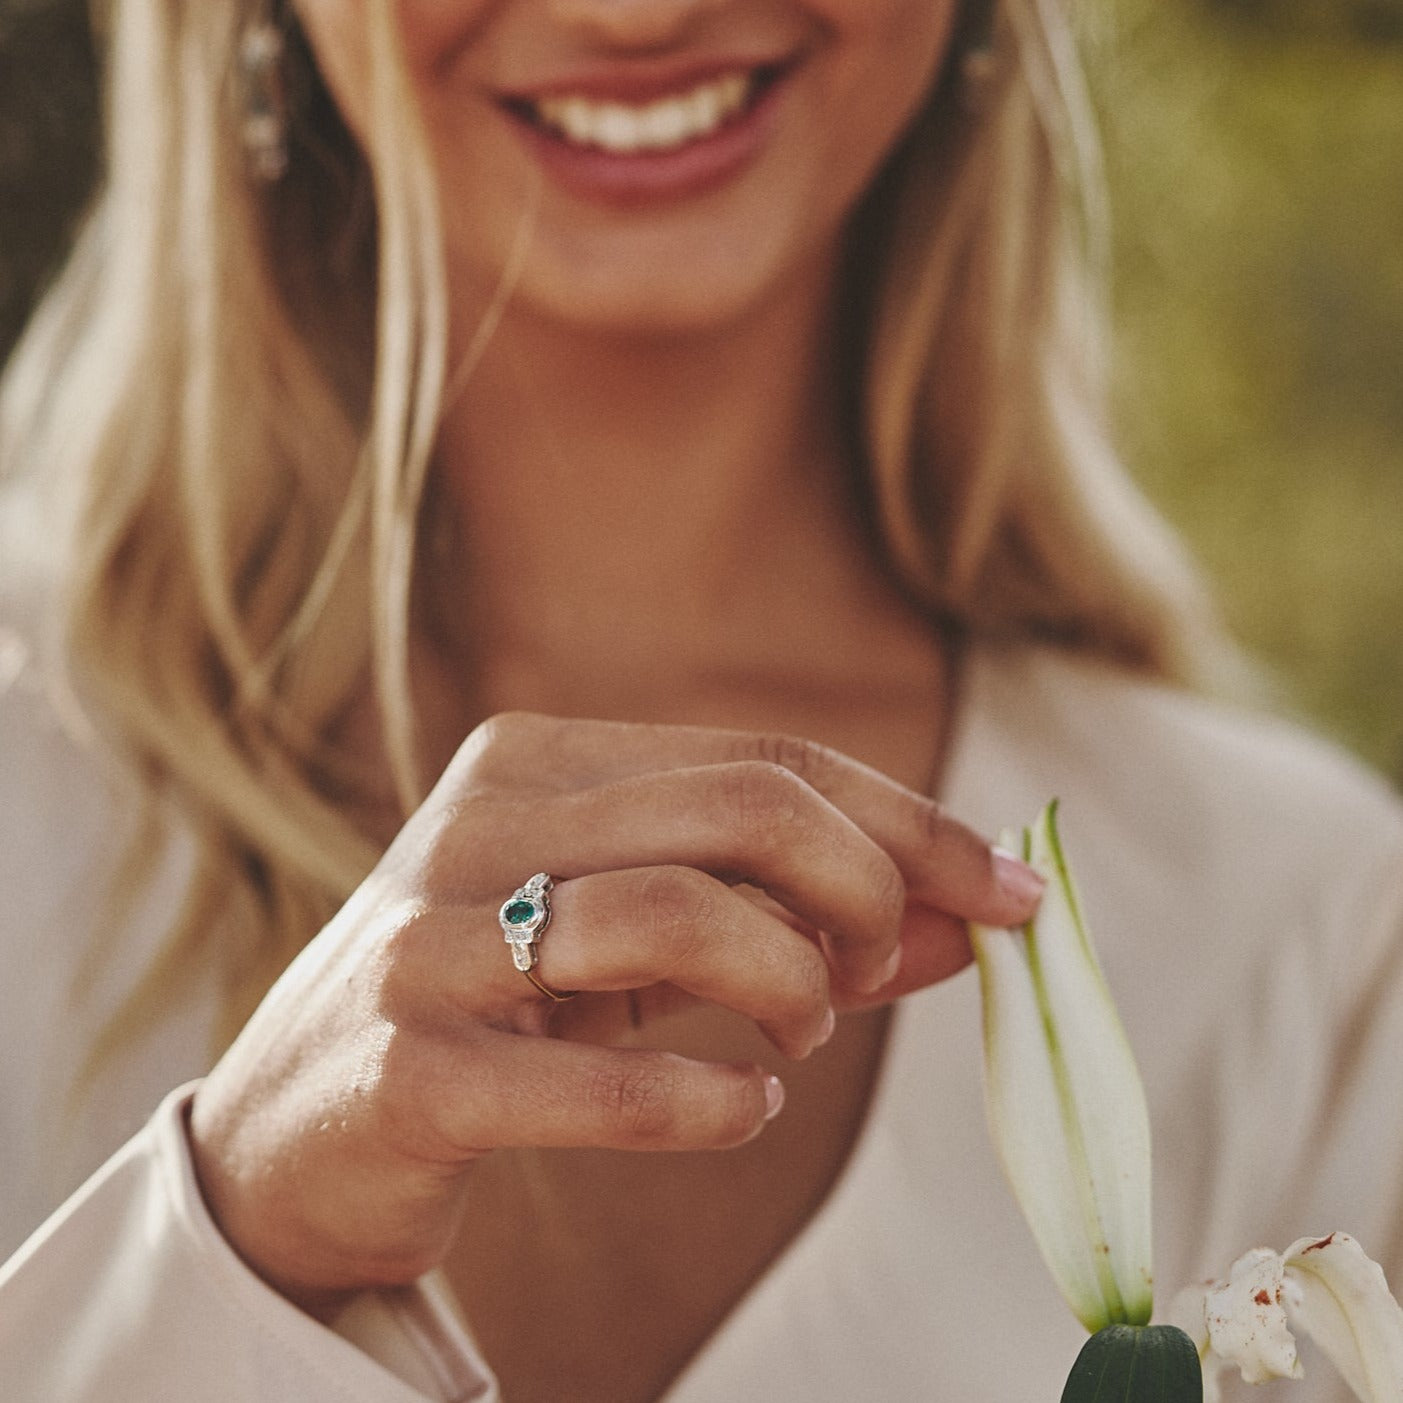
{"type": "Point", "coordinates": [1263, 1297]}
{"type": "Point", "coordinates": [1316, 1246]}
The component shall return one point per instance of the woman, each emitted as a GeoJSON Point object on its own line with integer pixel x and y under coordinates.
{"type": "Point", "coordinates": [653, 445]}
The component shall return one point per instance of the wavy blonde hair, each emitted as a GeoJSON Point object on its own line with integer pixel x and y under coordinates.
{"type": "Point", "coordinates": [242, 385]}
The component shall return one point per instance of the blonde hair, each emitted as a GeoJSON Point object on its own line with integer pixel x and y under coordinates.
{"type": "Point", "coordinates": [248, 421]}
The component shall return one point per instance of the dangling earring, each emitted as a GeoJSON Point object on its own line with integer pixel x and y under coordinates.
{"type": "Point", "coordinates": [977, 69]}
{"type": "Point", "coordinates": [263, 78]}
{"type": "Point", "coordinates": [979, 60]}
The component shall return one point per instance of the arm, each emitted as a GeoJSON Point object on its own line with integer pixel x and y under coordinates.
{"type": "Point", "coordinates": [129, 1292]}
{"type": "Point", "coordinates": [333, 1142]}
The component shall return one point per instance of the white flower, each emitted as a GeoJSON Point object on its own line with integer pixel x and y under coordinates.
{"type": "Point", "coordinates": [1324, 1286]}
{"type": "Point", "coordinates": [1065, 1103]}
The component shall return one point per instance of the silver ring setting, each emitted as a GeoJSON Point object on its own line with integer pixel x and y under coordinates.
{"type": "Point", "coordinates": [524, 915]}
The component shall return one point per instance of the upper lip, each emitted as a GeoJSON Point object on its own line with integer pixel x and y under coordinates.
{"type": "Point", "coordinates": [642, 80]}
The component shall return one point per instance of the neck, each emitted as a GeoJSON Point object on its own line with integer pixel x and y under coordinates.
{"type": "Point", "coordinates": [666, 530]}
{"type": "Point", "coordinates": [626, 507]}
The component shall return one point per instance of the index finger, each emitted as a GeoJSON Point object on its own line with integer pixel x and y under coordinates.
{"type": "Point", "coordinates": [945, 863]}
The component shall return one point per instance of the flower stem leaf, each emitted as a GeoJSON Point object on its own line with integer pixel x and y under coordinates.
{"type": "Point", "coordinates": [1136, 1364]}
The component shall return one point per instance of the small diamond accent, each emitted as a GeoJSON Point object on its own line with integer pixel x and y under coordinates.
{"type": "Point", "coordinates": [523, 916]}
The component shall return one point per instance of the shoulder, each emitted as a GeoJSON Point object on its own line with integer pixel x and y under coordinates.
{"type": "Point", "coordinates": [70, 946]}
{"type": "Point", "coordinates": [1244, 882]}
{"type": "Point", "coordinates": [59, 800]}
{"type": "Point", "coordinates": [1234, 868]}
{"type": "Point", "coordinates": [70, 809]}
{"type": "Point", "coordinates": [1210, 789]}
{"type": "Point", "coordinates": [53, 775]}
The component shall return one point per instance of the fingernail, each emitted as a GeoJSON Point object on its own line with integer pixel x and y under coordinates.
{"type": "Point", "coordinates": [774, 1097]}
{"type": "Point", "coordinates": [893, 967]}
{"type": "Point", "coordinates": [1016, 879]}
{"type": "Point", "coordinates": [830, 1022]}
{"type": "Point", "coordinates": [885, 975]}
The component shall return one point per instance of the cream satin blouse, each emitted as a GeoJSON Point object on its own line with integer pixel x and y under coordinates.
{"type": "Point", "coordinates": [1245, 885]}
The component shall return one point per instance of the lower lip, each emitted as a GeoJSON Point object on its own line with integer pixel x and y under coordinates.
{"type": "Point", "coordinates": [650, 177]}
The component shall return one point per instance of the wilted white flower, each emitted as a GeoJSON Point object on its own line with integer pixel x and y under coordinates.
{"type": "Point", "coordinates": [1325, 1286]}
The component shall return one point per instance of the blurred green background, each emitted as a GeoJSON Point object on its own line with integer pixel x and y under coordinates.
{"type": "Point", "coordinates": [1255, 159]}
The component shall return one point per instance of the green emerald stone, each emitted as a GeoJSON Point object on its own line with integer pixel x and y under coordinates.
{"type": "Point", "coordinates": [519, 913]}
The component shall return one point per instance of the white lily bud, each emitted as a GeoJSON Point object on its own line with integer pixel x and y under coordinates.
{"type": "Point", "coordinates": [1327, 1287]}
{"type": "Point", "coordinates": [1065, 1103]}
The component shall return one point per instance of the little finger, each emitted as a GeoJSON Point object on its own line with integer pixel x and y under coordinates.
{"type": "Point", "coordinates": [557, 1094]}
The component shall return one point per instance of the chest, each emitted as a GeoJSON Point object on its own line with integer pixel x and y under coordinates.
{"type": "Point", "coordinates": [611, 1270]}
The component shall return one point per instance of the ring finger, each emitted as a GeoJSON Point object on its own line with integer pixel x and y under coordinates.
{"type": "Point", "coordinates": [676, 925]}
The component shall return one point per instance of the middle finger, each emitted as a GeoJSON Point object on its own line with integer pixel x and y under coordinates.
{"type": "Point", "coordinates": [745, 822]}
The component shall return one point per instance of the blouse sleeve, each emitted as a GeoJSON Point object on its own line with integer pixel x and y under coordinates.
{"type": "Point", "coordinates": [129, 1293]}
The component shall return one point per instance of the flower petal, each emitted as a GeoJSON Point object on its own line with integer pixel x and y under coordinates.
{"type": "Point", "coordinates": [1342, 1301]}
{"type": "Point", "coordinates": [1108, 1122]}
{"type": "Point", "coordinates": [1026, 1121]}
{"type": "Point", "coordinates": [1246, 1318]}
{"type": "Point", "coordinates": [1066, 1107]}
{"type": "Point", "coordinates": [1187, 1311]}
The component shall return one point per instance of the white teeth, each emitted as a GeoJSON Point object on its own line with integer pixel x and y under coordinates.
{"type": "Point", "coordinates": [654, 126]}
{"type": "Point", "coordinates": [617, 129]}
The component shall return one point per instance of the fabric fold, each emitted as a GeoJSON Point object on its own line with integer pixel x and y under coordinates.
{"type": "Point", "coordinates": [129, 1292]}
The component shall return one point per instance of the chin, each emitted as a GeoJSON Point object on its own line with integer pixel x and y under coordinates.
{"type": "Point", "coordinates": [648, 312]}
{"type": "Point", "coordinates": [671, 289]}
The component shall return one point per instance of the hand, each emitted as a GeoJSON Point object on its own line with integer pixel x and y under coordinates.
{"type": "Point", "coordinates": [333, 1140]}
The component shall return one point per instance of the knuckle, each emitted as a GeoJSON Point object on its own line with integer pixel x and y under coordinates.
{"type": "Point", "coordinates": [768, 802]}
{"type": "Point", "coordinates": [501, 741]}
{"type": "Point", "coordinates": [888, 897]}
{"type": "Point", "coordinates": [638, 1100]}
{"type": "Point", "coordinates": [465, 828]}
{"type": "Point", "coordinates": [471, 819]}
{"type": "Point", "coordinates": [805, 758]}
{"type": "Point", "coordinates": [677, 904]}
{"type": "Point", "coordinates": [933, 820]}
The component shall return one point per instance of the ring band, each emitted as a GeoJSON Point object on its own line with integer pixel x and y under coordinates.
{"type": "Point", "coordinates": [523, 916]}
{"type": "Point", "coordinates": [554, 995]}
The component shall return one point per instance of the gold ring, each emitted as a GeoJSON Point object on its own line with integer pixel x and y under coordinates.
{"type": "Point", "coordinates": [554, 995]}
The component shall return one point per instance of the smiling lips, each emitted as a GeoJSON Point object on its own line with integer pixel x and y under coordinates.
{"type": "Point", "coordinates": [655, 126]}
